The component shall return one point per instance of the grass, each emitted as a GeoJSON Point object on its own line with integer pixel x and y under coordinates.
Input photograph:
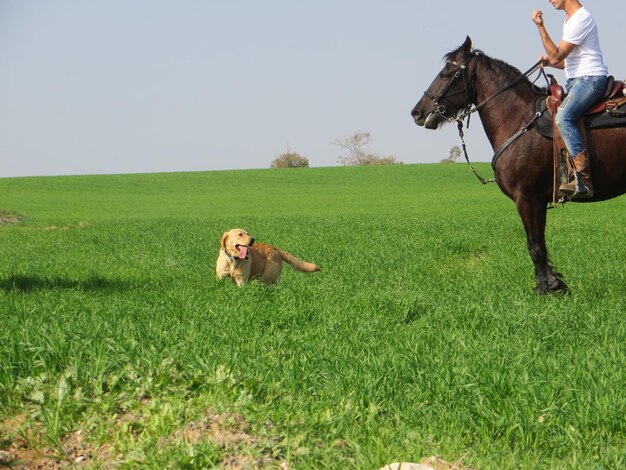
{"type": "Point", "coordinates": [421, 336]}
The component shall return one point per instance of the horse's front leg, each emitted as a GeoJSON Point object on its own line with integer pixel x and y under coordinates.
{"type": "Point", "coordinates": [533, 215]}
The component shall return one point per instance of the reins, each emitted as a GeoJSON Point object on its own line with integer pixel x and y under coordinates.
{"type": "Point", "coordinates": [506, 87]}
{"type": "Point", "coordinates": [464, 147]}
{"type": "Point", "coordinates": [469, 109]}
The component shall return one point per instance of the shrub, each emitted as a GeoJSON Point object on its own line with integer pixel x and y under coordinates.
{"type": "Point", "coordinates": [455, 155]}
{"type": "Point", "coordinates": [371, 159]}
{"type": "Point", "coordinates": [357, 155]}
{"type": "Point", "coordinates": [290, 159]}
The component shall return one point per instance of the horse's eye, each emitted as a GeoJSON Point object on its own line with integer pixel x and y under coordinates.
{"type": "Point", "coordinates": [444, 75]}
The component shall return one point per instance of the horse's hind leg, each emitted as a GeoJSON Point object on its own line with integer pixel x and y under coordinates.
{"type": "Point", "coordinates": [533, 215]}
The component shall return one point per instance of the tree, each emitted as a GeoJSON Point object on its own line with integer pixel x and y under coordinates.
{"type": "Point", "coordinates": [290, 159]}
{"type": "Point", "coordinates": [357, 155]}
{"type": "Point", "coordinates": [455, 155]}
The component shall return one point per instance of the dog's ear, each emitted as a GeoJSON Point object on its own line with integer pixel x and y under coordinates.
{"type": "Point", "coordinates": [223, 241]}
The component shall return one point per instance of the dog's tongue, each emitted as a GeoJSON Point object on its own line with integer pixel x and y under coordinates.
{"type": "Point", "coordinates": [243, 251]}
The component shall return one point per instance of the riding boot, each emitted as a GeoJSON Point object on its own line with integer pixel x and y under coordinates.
{"type": "Point", "coordinates": [581, 186]}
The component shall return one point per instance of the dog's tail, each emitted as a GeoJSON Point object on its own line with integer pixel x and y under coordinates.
{"type": "Point", "coordinates": [298, 264]}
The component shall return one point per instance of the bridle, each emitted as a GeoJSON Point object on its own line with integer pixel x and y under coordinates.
{"type": "Point", "coordinates": [470, 90]}
{"type": "Point", "coordinates": [469, 108]}
{"type": "Point", "coordinates": [468, 87]}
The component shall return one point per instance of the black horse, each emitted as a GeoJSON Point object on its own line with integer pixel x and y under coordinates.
{"type": "Point", "coordinates": [524, 169]}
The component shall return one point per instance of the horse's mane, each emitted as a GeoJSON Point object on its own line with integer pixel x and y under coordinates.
{"type": "Point", "coordinates": [499, 69]}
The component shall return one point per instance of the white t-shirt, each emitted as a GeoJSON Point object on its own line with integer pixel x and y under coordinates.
{"type": "Point", "coordinates": [586, 58]}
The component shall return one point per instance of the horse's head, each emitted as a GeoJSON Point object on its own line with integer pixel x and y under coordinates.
{"type": "Point", "coordinates": [450, 92]}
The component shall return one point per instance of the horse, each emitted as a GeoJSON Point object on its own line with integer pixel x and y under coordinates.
{"type": "Point", "coordinates": [523, 161]}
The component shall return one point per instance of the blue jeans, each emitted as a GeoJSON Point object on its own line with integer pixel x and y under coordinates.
{"type": "Point", "coordinates": [582, 92]}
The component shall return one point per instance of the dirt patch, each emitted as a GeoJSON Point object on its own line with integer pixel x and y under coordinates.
{"type": "Point", "coordinates": [225, 430]}
{"type": "Point", "coordinates": [19, 440]}
{"type": "Point", "coordinates": [8, 217]}
{"type": "Point", "coordinates": [231, 433]}
{"type": "Point", "coordinates": [82, 224]}
{"type": "Point", "coordinates": [22, 446]}
{"type": "Point", "coordinates": [25, 449]}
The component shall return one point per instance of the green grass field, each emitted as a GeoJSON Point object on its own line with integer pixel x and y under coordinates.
{"type": "Point", "coordinates": [421, 336]}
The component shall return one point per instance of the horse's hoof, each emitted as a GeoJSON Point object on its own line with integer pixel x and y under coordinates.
{"type": "Point", "coordinates": [558, 291]}
{"type": "Point", "coordinates": [552, 285]}
{"type": "Point", "coordinates": [561, 289]}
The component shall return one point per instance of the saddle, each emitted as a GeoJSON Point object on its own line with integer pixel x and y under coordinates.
{"type": "Point", "coordinates": [609, 111]}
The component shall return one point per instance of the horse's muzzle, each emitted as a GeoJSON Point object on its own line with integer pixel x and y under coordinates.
{"type": "Point", "coordinates": [418, 117]}
{"type": "Point", "coordinates": [429, 121]}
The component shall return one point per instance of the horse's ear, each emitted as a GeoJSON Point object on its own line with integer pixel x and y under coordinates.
{"type": "Point", "coordinates": [467, 45]}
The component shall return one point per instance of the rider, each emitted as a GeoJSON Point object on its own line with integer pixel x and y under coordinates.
{"type": "Point", "coordinates": [580, 55]}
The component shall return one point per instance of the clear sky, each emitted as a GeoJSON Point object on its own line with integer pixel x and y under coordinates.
{"type": "Point", "coordinates": [134, 86]}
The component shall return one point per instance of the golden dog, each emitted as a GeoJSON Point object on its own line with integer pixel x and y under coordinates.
{"type": "Point", "coordinates": [242, 259]}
